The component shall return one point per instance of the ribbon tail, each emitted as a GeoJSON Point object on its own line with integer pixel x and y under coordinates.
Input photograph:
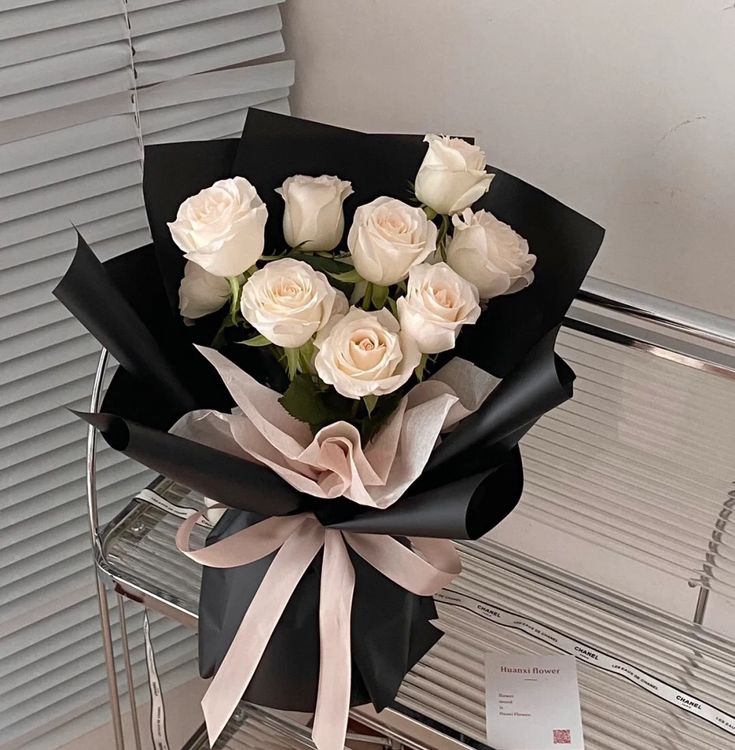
{"type": "Point", "coordinates": [335, 659]}
{"type": "Point", "coordinates": [424, 575]}
{"type": "Point", "coordinates": [244, 547]}
{"type": "Point", "coordinates": [247, 648]}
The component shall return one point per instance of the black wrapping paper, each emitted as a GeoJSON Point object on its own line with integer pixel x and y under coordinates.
{"type": "Point", "coordinates": [385, 645]}
{"type": "Point", "coordinates": [474, 478]}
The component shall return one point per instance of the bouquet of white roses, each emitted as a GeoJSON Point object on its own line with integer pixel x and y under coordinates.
{"type": "Point", "coordinates": [353, 327]}
{"type": "Point", "coordinates": [367, 338]}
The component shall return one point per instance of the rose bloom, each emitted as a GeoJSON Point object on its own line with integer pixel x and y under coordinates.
{"type": "Point", "coordinates": [452, 175]}
{"type": "Point", "coordinates": [387, 237]}
{"type": "Point", "coordinates": [313, 218]}
{"type": "Point", "coordinates": [365, 354]}
{"type": "Point", "coordinates": [222, 227]}
{"type": "Point", "coordinates": [438, 302]}
{"type": "Point", "coordinates": [490, 254]}
{"type": "Point", "coordinates": [288, 302]}
{"type": "Point", "coordinates": [201, 292]}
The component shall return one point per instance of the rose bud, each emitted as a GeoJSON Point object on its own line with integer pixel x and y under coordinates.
{"type": "Point", "coordinates": [452, 175]}
{"type": "Point", "coordinates": [201, 292]}
{"type": "Point", "coordinates": [313, 219]}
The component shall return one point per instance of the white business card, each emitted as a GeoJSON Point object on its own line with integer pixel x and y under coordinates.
{"type": "Point", "coordinates": [532, 702]}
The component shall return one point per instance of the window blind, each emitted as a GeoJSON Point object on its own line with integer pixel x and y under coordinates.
{"type": "Point", "coordinates": [83, 86]}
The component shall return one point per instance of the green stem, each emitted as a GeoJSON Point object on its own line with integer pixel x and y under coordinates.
{"type": "Point", "coordinates": [441, 240]}
{"type": "Point", "coordinates": [419, 371]}
{"type": "Point", "coordinates": [306, 356]}
{"type": "Point", "coordinates": [219, 339]}
{"type": "Point", "coordinates": [292, 362]}
{"type": "Point", "coordinates": [234, 283]}
{"type": "Point", "coordinates": [367, 299]}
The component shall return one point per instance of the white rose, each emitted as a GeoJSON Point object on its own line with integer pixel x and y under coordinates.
{"type": "Point", "coordinates": [490, 254]}
{"type": "Point", "coordinates": [387, 237]}
{"type": "Point", "coordinates": [437, 304]}
{"type": "Point", "coordinates": [452, 175]}
{"type": "Point", "coordinates": [313, 217]}
{"type": "Point", "coordinates": [365, 354]}
{"type": "Point", "coordinates": [222, 227]}
{"type": "Point", "coordinates": [288, 302]}
{"type": "Point", "coordinates": [201, 292]}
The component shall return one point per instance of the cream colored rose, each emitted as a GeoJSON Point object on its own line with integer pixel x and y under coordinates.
{"type": "Point", "coordinates": [222, 227]}
{"type": "Point", "coordinates": [387, 237]}
{"type": "Point", "coordinates": [201, 292]}
{"type": "Point", "coordinates": [452, 175]}
{"type": "Point", "coordinates": [438, 302]}
{"type": "Point", "coordinates": [365, 354]}
{"type": "Point", "coordinates": [313, 218]}
{"type": "Point", "coordinates": [490, 254]}
{"type": "Point", "coordinates": [288, 302]}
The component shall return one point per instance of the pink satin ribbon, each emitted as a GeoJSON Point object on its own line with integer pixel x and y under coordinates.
{"type": "Point", "coordinates": [298, 539]}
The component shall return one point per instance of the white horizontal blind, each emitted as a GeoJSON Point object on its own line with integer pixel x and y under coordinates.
{"type": "Point", "coordinates": [83, 85]}
{"type": "Point", "coordinates": [173, 39]}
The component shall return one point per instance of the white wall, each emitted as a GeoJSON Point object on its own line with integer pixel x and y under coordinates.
{"type": "Point", "coordinates": [624, 109]}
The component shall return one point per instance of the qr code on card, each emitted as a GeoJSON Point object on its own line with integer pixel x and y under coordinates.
{"type": "Point", "coordinates": [562, 736]}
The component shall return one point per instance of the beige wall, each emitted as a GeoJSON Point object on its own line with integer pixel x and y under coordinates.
{"type": "Point", "coordinates": [624, 109]}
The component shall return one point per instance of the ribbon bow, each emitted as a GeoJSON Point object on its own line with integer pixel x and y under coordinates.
{"type": "Point", "coordinates": [298, 539]}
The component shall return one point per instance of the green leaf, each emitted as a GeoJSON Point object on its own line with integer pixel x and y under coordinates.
{"type": "Point", "coordinates": [430, 213]}
{"type": "Point", "coordinates": [324, 263]}
{"type": "Point", "coordinates": [301, 401]}
{"type": "Point", "coordinates": [382, 411]}
{"type": "Point", "coordinates": [349, 277]}
{"type": "Point", "coordinates": [309, 400]}
{"type": "Point", "coordinates": [393, 307]}
{"type": "Point", "coordinates": [275, 256]}
{"type": "Point", "coordinates": [379, 296]}
{"type": "Point", "coordinates": [256, 341]}
{"type": "Point", "coordinates": [370, 402]}
{"type": "Point", "coordinates": [328, 264]}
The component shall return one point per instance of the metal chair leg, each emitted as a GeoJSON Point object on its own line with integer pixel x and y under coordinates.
{"type": "Point", "coordinates": [94, 536]}
{"type": "Point", "coordinates": [129, 672]}
{"type": "Point", "coordinates": [110, 666]}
